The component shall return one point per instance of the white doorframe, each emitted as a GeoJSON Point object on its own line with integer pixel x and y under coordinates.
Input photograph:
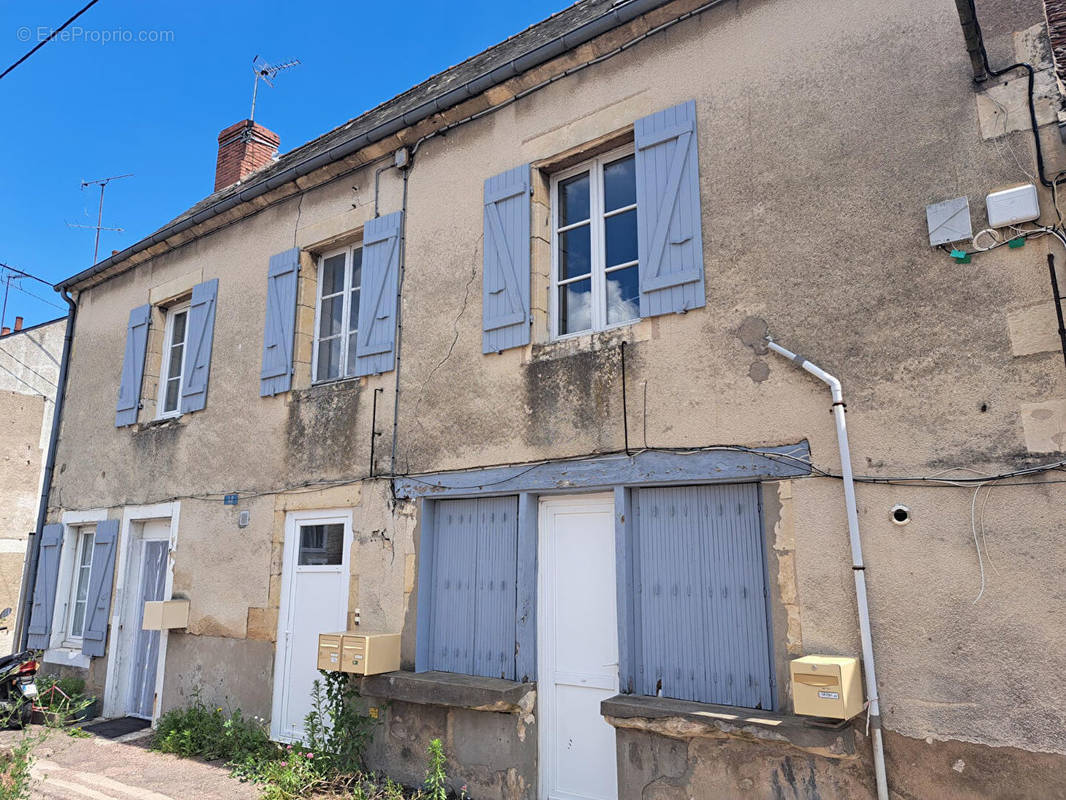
{"type": "Point", "coordinates": [282, 656]}
{"type": "Point", "coordinates": [121, 640]}
{"type": "Point", "coordinates": [545, 651]}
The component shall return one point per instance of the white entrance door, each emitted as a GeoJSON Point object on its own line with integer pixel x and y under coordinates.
{"type": "Point", "coordinates": [314, 600]}
{"type": "Point", "coordinates": [577, 646]}
{"type": "Point", "coordinates": [144, 661]}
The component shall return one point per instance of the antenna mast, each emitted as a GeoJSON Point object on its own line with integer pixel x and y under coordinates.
{"type": "Point", "coordinates": [99, 226]}
{"type": "Point", "coordinates": [266, 72]}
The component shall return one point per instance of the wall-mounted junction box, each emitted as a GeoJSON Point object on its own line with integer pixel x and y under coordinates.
{"type": "Point", "coordinates": [949, 221]}
{"type": "Point", "coordinates": [164, 615]}
{"type": "Point", "coordinates": [1012, 205]}
{"type": "Point", "coordinates": [826, 686]}
{"type": "Point", "coordinates": [359, 653]}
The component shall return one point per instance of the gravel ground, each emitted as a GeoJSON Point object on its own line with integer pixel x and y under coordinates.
{"type": "Point", "coordinates": [100, 769]}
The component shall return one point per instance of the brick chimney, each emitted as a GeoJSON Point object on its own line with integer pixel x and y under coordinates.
{"type": "Point", "coordinates": [242, 149]}
{"type": "Point", "coordinates": [18, 323]}
{"type": "Point", "coordinates": [4, 331]}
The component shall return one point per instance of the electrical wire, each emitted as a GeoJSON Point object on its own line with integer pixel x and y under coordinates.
{"type": "Point", "coordinates": [24, 382]}
{"type": "Point", "coordinates": [1031, 73]}
{"type": "Point", "coordinates": [977, 544]}
{"type": "Point", "coordinates": [47, 302]}
{"type": "Point", "coordinates": [51, 36]}
{"type": "Point", "coordinates": [27, 366]}
{"type": "Point", "coordinates": [25, 274]}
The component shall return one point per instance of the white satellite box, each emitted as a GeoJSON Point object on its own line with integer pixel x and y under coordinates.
{"type": "Point", "coordinates": [1012, 205]}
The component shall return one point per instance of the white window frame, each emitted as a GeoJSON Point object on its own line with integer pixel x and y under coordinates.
{"type": "Point", "coordinates": [348, 251]}
{"type": "Point", "coordinates": [164, 376]}
{"type": "Point", "coordinates": [81, 533]}
{"type": "Point", "coordinates": [597, 252]}
{"type": "Point", "coordinates": [61, 648]}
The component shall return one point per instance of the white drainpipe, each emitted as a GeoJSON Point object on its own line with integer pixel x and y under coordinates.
{"type": "Point", "coordinates": [857, 567]}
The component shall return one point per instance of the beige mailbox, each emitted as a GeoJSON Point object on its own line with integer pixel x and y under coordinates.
{"type": "Point", "coordinates": [826, 686]}
{"type": "Point", "coordinates": [359, 653]}
{"type": "Point", "coordinates": [163, 615]}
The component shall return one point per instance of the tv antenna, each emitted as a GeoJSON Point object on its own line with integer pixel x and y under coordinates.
{"type": "Point", "coordinates": [99, 226]}
{"type": "Point", "coordinates": [266, 72]}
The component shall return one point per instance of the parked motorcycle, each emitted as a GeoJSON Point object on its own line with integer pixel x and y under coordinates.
{"type": "Point", "coordinates": [18, 685]}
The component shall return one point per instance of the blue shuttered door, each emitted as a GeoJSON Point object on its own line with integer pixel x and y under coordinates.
{"type": "Point", "coordinates": [44, 588]}
{"type": "Point", "coordinates": [101, 578]}
{"type": "Point", "coordinates": [669, 229]}
{"type": "Point", "coordinates": [375, 342]}
{"type": "Point", "coordinates": [472, 596]}
{"type": "Point", "coordinates": [506, 275]}
{"type": "Point", "coordinates": [201, 332]}
{"type": "Point", "coordinates": [146, 643]}
{"type": "Point", "coordinates": [129, 387]}
{"type": "Point", "coordinates": [280, 327]}
{"type": "Point", "coordinates": [704, 629]}
{"type": "Point", "coordinates": [452, 593]}
{"type": "Point", "coordinates": [496, 597]}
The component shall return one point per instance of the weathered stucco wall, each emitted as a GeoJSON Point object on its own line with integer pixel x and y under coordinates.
{"type": "Point", "coordinates": [20, 477]}
{"type": "Point", "coordinates": [29, 369]}
{"type": "Point", "coordinates": [825, 128]}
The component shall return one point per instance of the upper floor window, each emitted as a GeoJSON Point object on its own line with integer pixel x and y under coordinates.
{"type": "Point", "coordinates": [79, 583]}
{"type": "Point", "coordinates": [595, 279]}
{"type": "Point", "coordinates": [337, 320]}
{"type": "Point", "coordinates": [171, 375]}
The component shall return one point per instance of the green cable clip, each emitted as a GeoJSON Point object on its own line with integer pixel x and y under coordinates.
{"type": "Point", "coordinates": [1014, 244]}
{"type": "Point", "coordinates": [960, 256]}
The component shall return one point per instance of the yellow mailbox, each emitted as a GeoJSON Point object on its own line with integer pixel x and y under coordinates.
{"type": "Point", "coordinates": [826, 686]}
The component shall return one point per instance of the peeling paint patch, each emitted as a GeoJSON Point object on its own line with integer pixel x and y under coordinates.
{"type": "Point", "coordinates": [752, 332]}
{"type": "Point", "coordinates": [758, 371]}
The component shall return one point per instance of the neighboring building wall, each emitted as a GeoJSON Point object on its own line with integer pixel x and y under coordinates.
{"type": "Point", "coordinates": [816, 165]}
{"type": "Point", "coordinates": [20, 477]}
{"type": "Point", "coordinates": [29, 370]}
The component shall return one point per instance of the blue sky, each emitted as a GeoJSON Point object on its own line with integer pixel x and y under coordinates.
{"type": "Point", "coordinates": [88, 108]}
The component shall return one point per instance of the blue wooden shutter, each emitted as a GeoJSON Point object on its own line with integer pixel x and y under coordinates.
{"type": "Point", "coordinates": [201, 332]}
{"type": "Point", "coordinates": [44, 588]}
{"type": "Point", "coordinates": [452, 594]}
{"type": "Point", "coordinates": [101, 577]}
{"type": "Point", "coordinates": [280, 328]}
{"type": "Point", "coordinates": [375, 343]}
{"type": "Point", "coordinates": [669, 229]}
{"type": "Point", "coordinates": [129, 387]}
{"type": "Point", "coordinates": [701, 597]}
{"type": "Point", "coordinates": [496, 597]}
{"type": "Point", "coordinates": [471, 601]}
{"type": "Point", "coordinates": [506, 246]}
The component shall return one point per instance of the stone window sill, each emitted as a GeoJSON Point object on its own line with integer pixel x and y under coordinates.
{"type": "Point", "coordinates": [682, 719]}
{"type": "Point", "coordinates": [452, 690]}
{"type": "Point", "coordinates": [639, 330]}
{"type": "Point", "coordinates": [161, 423]}
{"type": "Point", "coordinates": [66, 657]}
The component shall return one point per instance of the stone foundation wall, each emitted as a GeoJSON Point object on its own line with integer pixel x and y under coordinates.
{"type": "Point", "coordinates": [654, 766]}
{"type": "Point", "coordinates": [486, 726]}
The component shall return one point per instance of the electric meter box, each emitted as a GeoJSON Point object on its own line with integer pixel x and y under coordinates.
{"type": "Point", "coordinates": [359, 653]}
{"type": "Point", "coordinates": [826, 686]}
{"type": "Point", "coordinates": [1012, 205]}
